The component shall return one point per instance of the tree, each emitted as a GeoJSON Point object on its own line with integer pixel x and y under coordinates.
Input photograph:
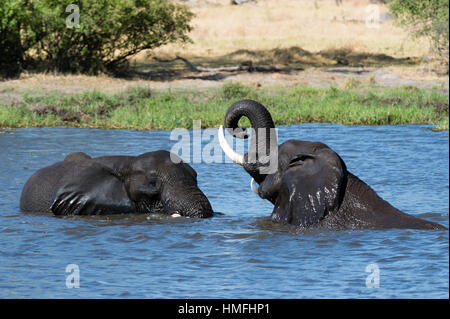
{"type": "Point", "coordinates": [428, 18]}
{"type": "Point", "coordinates": [19, 31]}
{"type": "Point", "coordinates": [109, 32]}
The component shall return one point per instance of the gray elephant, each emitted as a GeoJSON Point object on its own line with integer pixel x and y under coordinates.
{"type": "Point", "coordinates": [155, 182]}
{"type": "Point", "coordinates": [310, 186]}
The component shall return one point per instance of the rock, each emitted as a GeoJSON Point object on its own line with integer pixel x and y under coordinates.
{"type": "Point", "coordinates": [386, 16]}
{"type": "Point", "coordinates": [239, 2]}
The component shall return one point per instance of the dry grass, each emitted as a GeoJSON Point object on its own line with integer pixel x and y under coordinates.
{"type": "Point", "coordinates": [65, 83]}
{"type": "Point", "coordinates": [276, 32]}
{"type": "Point", "coordinates": [237, 33]}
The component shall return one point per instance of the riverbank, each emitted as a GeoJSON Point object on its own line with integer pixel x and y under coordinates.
{"type": "Point", "coordinates": [143, 108]}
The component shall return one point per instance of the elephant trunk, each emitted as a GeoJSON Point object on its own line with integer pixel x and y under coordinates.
{"type": "Point", "coordinates": [263, 143]}
{"type": "Point", "coordinates": [186, 201]}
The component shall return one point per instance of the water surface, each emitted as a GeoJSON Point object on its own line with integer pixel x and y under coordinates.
{"type": "Point", "coordinates": [238, 253]}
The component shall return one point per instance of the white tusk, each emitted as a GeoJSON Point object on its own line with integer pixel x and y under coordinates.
{"type": "Point", "coordinates": [253, 187]}
{"type": "Point", "coordinates": [235, 157]}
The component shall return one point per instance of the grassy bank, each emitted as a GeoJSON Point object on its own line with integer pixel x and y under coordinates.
{"type": "Point", "coordinates": [142, 108]}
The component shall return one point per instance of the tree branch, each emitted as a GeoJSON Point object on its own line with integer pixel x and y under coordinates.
{"type": "Point", "coordinates": [248, 66]}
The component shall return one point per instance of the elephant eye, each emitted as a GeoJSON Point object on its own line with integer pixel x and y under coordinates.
{"type": "Point", "coordinates": [153, 182]}
{"type": "Point", "coordinates": [299, 159]}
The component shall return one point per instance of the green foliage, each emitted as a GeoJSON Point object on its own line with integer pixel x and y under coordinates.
{"type": "Point", "coordinates": [140, 108]}
{"type": "Point", "coordinates": [109, 31]}
{"type": "Point", "coordinates": [428, 18]}
{"type": "Point", "coordinates": [19, 31]}
{"type": "Point", "coordinates": [234, 90]}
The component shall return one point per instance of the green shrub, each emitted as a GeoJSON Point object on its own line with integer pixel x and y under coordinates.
{"type": "Point", "coordinates": [428, 18]}
{"type": "Point", "coordinates": [108, 33]}
{"type": "Point", "coordinates": [234, 90]}
{"type": "Point", "coordinates": [19, 31]}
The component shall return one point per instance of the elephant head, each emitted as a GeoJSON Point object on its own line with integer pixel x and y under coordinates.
{"type": "Point", "coordinates": [163, 179]}
{"type": "Point", "coordinates": [309, 179]}
{"type": "Point", "coordinates": [308, 185]}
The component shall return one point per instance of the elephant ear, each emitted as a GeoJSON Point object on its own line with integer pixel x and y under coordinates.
{"type": "Point", "coordinates": [312, 188]}
{"type": "Point", "coordinates": [93, 189]}
{"type": "Point", "coordinates": [190, 170]}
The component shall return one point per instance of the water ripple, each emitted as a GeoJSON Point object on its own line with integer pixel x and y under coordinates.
{"type": "Point", "coordinates": [239, 253]}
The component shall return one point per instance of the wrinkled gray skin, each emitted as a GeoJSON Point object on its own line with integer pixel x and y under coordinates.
{"type": "Point", "coordinates": [312, 187]}
{"type": "Point", "coordinates": [148, 183]}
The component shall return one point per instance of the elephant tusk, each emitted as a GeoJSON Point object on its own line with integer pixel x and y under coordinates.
{"type": "Point", "coordinates": [253, 187]}
{"type": "Point", "coordinates": [235, 157]}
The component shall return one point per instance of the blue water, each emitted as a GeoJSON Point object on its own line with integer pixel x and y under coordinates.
{"type": "Point", "coordinates": [238, 253]}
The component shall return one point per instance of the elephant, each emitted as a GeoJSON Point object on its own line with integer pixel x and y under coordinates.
{"type": "Point", "coordinates": [153, 182]}
{"type": "Point", "coordinates": [310, 186]}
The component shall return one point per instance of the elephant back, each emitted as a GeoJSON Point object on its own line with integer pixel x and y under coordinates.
{"type": "Point", "coordinates": [39, 191]}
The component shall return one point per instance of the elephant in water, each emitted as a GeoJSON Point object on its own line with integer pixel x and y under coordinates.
{"type": "Point", "coordinates": [310, 186]}
{"type": "Point", "coordinates": [155, 182]}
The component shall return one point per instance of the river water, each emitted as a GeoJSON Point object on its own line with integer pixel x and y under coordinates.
{"type": "Point", "coordinates": [238, 253]}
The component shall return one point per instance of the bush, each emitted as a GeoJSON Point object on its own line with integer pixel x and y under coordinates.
{"type": "Point", "coordinates": [234, 90]}
{"type": "Point", "coordinates": [19, 31]}
{"type": "Point", "coordinates": [428, 18]}
{"type": "Point", "coordinates": [109, 32]}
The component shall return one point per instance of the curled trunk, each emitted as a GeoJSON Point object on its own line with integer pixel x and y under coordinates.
{"type": "Point", "coordinates": [263, 143]}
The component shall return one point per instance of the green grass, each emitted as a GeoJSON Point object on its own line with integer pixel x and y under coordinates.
{"type": "Point", "coordinates": [141, 108]}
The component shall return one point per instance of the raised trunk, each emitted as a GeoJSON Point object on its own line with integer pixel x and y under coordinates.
{"type": "Point", "coordinates": [263, 142]}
